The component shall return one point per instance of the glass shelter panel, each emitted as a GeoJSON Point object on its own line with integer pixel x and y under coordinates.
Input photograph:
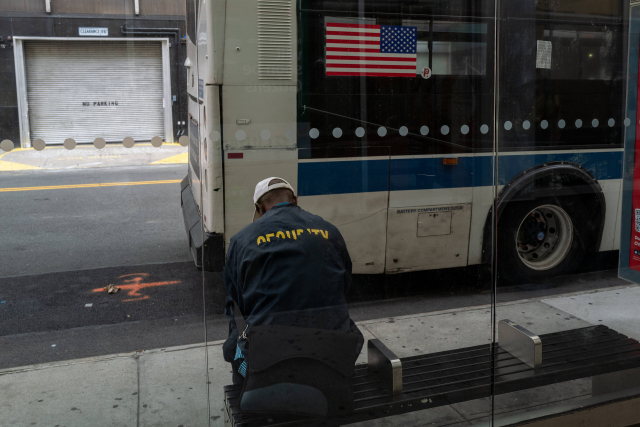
{"type": "Point", "coordinates": [379, 116]}
{"type": "Point", "coordinates": [566, 325]}
{"type": "Point", "coordinates": [101, 305]}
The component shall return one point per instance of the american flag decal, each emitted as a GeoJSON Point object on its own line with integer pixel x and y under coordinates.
{"type": "Point", "coordinates": [371, 50]}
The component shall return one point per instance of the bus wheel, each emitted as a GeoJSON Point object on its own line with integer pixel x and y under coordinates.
{"type": "Point", "coordinates": [540, 239]}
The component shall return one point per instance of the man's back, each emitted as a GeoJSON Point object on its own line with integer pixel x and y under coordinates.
{"type": "Point", "coordinates": [290, 268]}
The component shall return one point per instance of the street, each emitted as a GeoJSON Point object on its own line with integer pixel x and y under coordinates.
{"type": "Point", "coordinates": [62, 229]}
{"type": "Point", "coordinates": [66, 236]}
{"type": "Point", "coordinates": [70, 228]}
{"type": "Point", "coordinates": [479, 174]}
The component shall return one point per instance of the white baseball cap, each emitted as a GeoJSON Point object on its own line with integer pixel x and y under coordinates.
{"type": "Point", "coordinates": [263, 187]}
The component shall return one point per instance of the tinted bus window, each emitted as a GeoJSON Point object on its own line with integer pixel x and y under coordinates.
{"type": "Point", "coordinates": [564, 78]}
{"type": "Point", "coordinates": [398, 115]}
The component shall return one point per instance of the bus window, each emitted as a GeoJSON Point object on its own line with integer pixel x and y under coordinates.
{"type": "Point", "coordinates": [454, 58]}
{"type": "Point", "coordinates": [191, 19]}
{"type": "Point", "coordinates": [454, 52]}
{"type": "Point", "coordinates": [562, 96]}
{"type": "Point", "coordinates": [401, 112]}
{"type": "Point", "coordinates": [584, 55]}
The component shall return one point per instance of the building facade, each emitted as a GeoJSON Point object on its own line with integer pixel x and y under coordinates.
{"type": "Point", "coordinates": [92, 69]}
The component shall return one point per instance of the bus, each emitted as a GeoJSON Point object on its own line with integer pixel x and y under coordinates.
{"type": "Point", "coordinates": [430, 132]}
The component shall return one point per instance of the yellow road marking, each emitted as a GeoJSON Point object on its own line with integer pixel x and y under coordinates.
{"type": "Point", "coordinates": [178, 158]}
{"type": "Point", "coordinates": [6, 166]}
{"type": "Point", "coordinates": [103, 184]}
{"type": "Point", "coordinates": [4, 153]}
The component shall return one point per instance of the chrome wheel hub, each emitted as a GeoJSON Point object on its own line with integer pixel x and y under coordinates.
{"type": "Point", "coordinates": [544, 237]}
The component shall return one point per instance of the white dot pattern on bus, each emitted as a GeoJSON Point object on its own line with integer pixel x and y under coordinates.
{"type": "Point", "coordinates": [128, 142]}
{"type": "Point", "coordinates": [69, 143]}
{"type": "Point", "coordinates": [156, 141]}
{"type": "Point", "coordinates": [6, 145]}
{"type": "Point", "coordinates": [99, 143]}
{"type": "Point", "coordinates": [39, 145]}
{"type": "Point", "coordinates": [184, 140]}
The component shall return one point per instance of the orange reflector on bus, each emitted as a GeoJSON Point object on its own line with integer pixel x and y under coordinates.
{"type": "Point", "coordinates": [453, 161]}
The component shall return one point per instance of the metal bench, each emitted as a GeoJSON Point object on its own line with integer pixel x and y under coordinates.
{"type": "Point", "coordinates": [389, 386]}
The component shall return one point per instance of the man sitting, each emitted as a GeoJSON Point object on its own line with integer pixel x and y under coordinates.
{"type": "Point", "coordinates": [289, 267]}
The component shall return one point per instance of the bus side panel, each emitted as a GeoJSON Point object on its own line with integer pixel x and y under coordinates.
{"type": "Point", "coordinates": [618, 219]}
{"type": "Point", "coordinates": [482, 203]}
{"type": "Point", "coordinates": [362, 221]}
{"type": "Point", "coordinates": [194, 159]}
{"type": "Point", "coordinates": [210, 43]}
{"type": "Point", "coordinates": [190, 62]}
{"type": "Point", "coordinates": [243, 170]}
{"type": "Point", "coordinates": [611, 190]}
{"type": "Point", "coordinates": [353, 195]}
{"type": "Point", "coordinates": [259, 116]}
{"type": "Point", "coordinates": [260, 43]}
{"type": "Point", "coordinates": [204, 44]}
{"type": "Point", "coordinates": [211, 148]}
{"type": "Point", "coordinates": [215, 9]}
{"type": "Point", "coordinates": [424, 237]}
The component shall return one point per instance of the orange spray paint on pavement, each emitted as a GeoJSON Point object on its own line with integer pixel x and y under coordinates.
{"type": "Point", "coordinates": [134, 284]}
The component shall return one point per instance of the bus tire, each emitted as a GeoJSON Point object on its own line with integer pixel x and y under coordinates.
{"type": "Point", "coordinates": [541, 239]}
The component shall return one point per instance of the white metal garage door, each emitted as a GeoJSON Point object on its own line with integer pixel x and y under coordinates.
{"type": "Point", "coordinates": [85, 90]}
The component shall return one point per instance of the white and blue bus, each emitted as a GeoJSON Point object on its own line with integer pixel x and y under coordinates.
{"type": "Point", "coordinates": [472, 129]}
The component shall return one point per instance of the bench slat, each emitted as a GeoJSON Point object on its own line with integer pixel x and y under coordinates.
{"type": "Point", "coordinates": [459, 375]}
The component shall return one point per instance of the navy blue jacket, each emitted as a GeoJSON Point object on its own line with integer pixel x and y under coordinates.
{"type": "Point", "coordinates": [289, 268]}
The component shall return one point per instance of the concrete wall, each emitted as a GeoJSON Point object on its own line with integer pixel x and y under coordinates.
{"type": "Point", "coordinates": [106, 7]}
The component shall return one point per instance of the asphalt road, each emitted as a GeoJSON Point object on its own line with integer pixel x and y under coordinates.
{"type": "Point", "coordinates": [59, 249]}
{"type": "Point", "coordinates": [44, 318]}
{"type": "Point", "coordinates": [50, 230]}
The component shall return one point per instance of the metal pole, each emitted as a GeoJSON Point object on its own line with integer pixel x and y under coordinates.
{"type": "Point", "coordinates": [431, 43]}
{"type": "Point", "coordinates": [494, 231]}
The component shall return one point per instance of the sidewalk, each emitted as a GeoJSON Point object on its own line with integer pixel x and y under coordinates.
{"type": "Point", "coordinates": [167, 387]}
{"type": "Point", "coordinates": [87, 156]}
